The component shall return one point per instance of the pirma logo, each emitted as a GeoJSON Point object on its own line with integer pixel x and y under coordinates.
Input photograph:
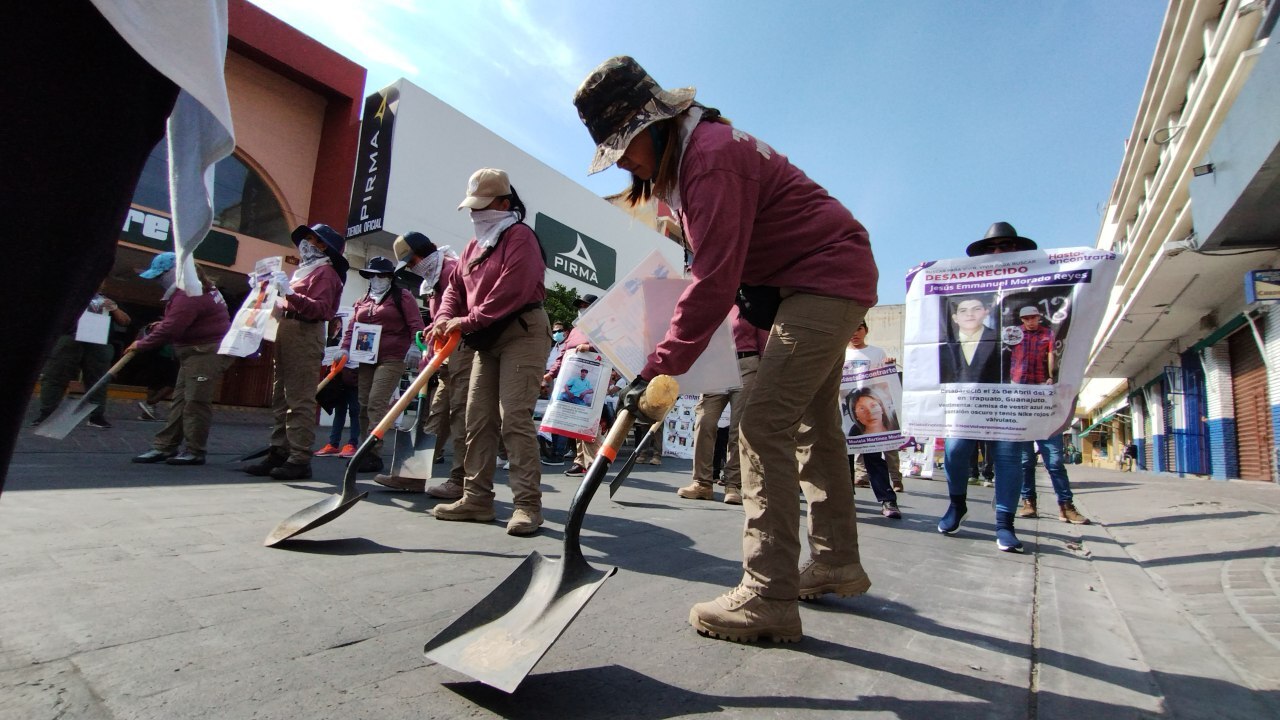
{"type": "Point", "coordinates": [579, 256]}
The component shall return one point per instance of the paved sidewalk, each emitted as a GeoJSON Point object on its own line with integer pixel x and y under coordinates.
{"type": "Point", "coordinates": [144, 592]}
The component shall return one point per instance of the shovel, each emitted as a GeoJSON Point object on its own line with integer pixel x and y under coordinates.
{"type": "Point", "coordinates": [631, 461]}
{"type": "Point", "coordinates": [500, 639]}
{"type": "Point", "coordinates": [333, 373]}
{"type": "Point", "coordinates": [413, 451]}
{"type": "Point", "coordinates": [68, 415]}
{"type": "Point", "coordinates": [333, 506]}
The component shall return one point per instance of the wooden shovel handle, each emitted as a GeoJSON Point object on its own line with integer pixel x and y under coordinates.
{"type": "Point", "coordinates": [442, 350]}
{"type": "Point", "coordinates": [333, 372]}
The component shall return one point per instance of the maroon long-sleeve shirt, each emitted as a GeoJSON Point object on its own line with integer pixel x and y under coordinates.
{"type": "Point", "coordinates": [752, 217]}
{"type": "Point", "coordinates": [316, 296]}
{"type": "Point", "coordinates": [397, 332]}
{"type": "Point", "coordinates": [507, 280]}
{"type": "Point", "coordinates": [189, 321]}
{"type": "Point", "coordinates": [447, 267]}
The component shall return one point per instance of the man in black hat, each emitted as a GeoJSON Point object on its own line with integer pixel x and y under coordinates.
{"type": "Point", "coordinates": [1000, 238]}
{"type": "Point", "coordinates": [309, 298]}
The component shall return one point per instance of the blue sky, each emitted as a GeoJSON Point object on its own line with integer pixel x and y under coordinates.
{"type": "Point", "coordinates": [929, 120]}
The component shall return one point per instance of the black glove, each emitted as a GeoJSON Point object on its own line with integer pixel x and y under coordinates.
{"type": "Point", "coordinates": [631, 399]}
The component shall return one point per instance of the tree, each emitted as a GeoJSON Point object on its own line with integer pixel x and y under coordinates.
{"type": "Point", "coordinates": [560, 304]}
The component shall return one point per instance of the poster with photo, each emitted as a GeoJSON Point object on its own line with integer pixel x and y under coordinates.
{"type": "Point", "coordinates": [997, 344]}
{"type": "Point", "coordinates": [678, 428]}
{"type": "Point", "coordinates": [869, 402]}
{"type": "Point", "coordinates": [255, 320]}
{"type": "Point", "coordinates": [578, 396]}
{"type": "Point", "coordinates": [336, 328]}
{"type": "Point", "coordinates": [93, 327]}
{"type": "Point", "coordinates": [365, 338]}
{"type": "Point", "coordinates": [916, 459]}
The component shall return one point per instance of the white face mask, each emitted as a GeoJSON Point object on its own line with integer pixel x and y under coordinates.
{"type": "Point", "coordinates": [379, 286]}
{"type": "Point", "coordinates": [489, 225]}
{"type": "Point", "coordinates": [309, 252]}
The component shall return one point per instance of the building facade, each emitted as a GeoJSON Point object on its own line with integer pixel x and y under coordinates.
{"type": "Point", "coordinates": [296, 108]}
{"type": "Point", "coordinates": [1196, 206]}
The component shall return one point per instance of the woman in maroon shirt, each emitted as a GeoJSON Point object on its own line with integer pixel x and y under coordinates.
{"type": "Point", "coordinates": [194, 325]}
{"type": "Point", "coordinates": [395, 311]}
{"type": "Point", "coordinates": [495, 300]}
{"type": "Point", "coordinates": [758, 228]}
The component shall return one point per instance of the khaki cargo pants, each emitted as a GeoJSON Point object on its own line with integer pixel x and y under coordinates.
{"type": "Point", "coordinates": [790, 439]}
{"type": "Point", "coordinates": [299, 350]}
{"type": "Point", "coordinates": [377, 382]}
{"type": "Point", "coordinates": [448, 419]}
{"type": "Point", "coordinates": [200, 367]}
{"type": "Point", "coordinates": [706, 419]}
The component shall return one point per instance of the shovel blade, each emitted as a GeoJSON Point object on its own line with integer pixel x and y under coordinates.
{"type": "Point", "coordinates": [413, 454]}
{"type": "Point", "coordinates": [312, 517]}
{"type": "Point", "coordinates": [500, 639]}
{"type": "Point", "coordinates": [65, 419]}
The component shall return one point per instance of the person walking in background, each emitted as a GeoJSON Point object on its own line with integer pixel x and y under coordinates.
{"type": "Point", "coordinates": [495, 300]}
{"type": "Point", "coordinates": [447, 415]}
{"type": "Point", "coordinates": [195, 325]}
{"type": "Point", "coordinates": [1006, 455]}
{"type": "Point", "coordinates": [396, 312]}
{"type": "Point", "coordinates": [346, 411]}
{"type": "Point", "coordinates": [754, 224]}
{"type": "Point", "coordinates": [88, 360]}
{"type": "Point", "coordinates": [577, 390]}
{"type": "Point", "coordinates": [309, 299]}
{"type": "Point", "coordinates": [870, 468]}
{"type": "Point", "coordinates": [1051, 449]}
{"type": "Point", "coordinates": [750, 341]}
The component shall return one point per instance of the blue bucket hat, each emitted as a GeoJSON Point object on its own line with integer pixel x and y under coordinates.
{"type": "Point", "coordinates": [160, 264]}
{"type": "Point", "coordinates": [333, 243]}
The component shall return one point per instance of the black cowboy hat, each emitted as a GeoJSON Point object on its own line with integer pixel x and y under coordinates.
{"type": "Point", "coordinates": [378, 266]}
{"type": "Point", "coordinates": [1000, 231]}
{"type": "Point", "coordinates": [585, 301]}
{"type": "Point", "coordinates": [333, 243]}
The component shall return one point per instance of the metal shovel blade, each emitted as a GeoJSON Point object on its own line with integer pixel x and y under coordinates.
{"type": "Point", "coordinates": [500, 639]}
{"type": "Point", "coordinates": [413, 452]}
{"type": "Point", "coordinates": [312, 517]}
{"type": "Point", "coordinates": [65, 419]}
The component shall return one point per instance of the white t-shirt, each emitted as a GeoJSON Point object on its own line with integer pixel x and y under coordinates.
{"type": "Point", "coordinates": [862, 360]}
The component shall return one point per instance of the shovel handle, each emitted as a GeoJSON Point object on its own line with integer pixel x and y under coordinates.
{"type": "Point", "coordinates": [442, 350]}
{"type": "Point", "coordinates": [333, 372]}
{"type": "Point", "coordinates": [115, 369]}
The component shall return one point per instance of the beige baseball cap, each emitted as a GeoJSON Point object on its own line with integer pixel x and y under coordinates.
{"type": "Point", "coordinates": [485, 185]}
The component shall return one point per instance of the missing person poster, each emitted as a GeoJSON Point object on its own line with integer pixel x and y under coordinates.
{"type": "Point", "coordinates": [577, 398]}
{"type": "Point", "coordinates": [254, 321]}
{"type": "Point", "coordinates": [365, 339]}
{"type": "Point", "coordinates": [679, 428]}
{"type": "Point", "coordinates": [996, 345]}
{"type": "Point", "coordinates": [869, 402]}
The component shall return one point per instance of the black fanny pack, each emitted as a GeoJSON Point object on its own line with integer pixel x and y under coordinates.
{"type": "Point", "coordinates": [758, 304]}
{"type": "Point", "coordinates": [486, 337]}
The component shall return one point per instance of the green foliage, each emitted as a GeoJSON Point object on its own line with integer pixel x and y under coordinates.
{"type": "Point", "coordinates": [559, 304]}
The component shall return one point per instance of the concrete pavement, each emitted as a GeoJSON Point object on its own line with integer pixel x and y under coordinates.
{"type": "Point", "coordinates": [144, 592]}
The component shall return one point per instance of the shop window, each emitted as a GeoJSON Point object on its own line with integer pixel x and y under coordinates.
{"type": "Point", "coordinates": [242, 199]}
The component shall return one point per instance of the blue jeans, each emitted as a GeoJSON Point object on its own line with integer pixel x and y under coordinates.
{"type": "Point", "coordinates": [1054, 462]}
{"type": "Point", "coordinates": [349, 406]}
{"type": "Point", "coordinates": [1008, 461]}
{"type": "Point", "coordinates": [877, 474]}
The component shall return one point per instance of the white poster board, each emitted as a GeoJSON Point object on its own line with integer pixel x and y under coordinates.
{"type": "Point", "coordinates": [917, 459]}
{"type": "Point", "coordinates": [632, 318]}
{"type": "Point", "coordinates": [977, 370]}
{"type": "Point", "coordinates": [254, 321]}
{"type": "Point", "coordinates": [365, 339]}
{"type": "Point", "coordinates": [578, 396]}
{"type": "Point", "coordinates": [869, 408]}
{"type": "Point", "coordinates": [336, 329]}
{"type": "Point", "coordinates": [93, 328]}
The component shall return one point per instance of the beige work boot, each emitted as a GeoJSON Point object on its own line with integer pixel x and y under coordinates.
{"type": "Point", "coordinates": [447, 490]}
{"type": "Point", "coordinates": [1028, 509]}
{"type": "Point", "coordinates": [741, 615]}
{"type": "Point", "coordinates": [817, 579]}
{"type": "Point", "coordinates": [1067, 513]}
{"type": "Point", "coordinates": [524, 522]}
{"type": "Point", "coordinates": [733, 495]}
{"type": "Point", "coordinates": [465, 509]}
{"type": "Point", "coordinates": [407, 484]}
{"type": "Point", "coordinates": [697, 491]}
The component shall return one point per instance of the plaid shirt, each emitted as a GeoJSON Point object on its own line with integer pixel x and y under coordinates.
{"type": "Point", "coordinates": [1030, 362]}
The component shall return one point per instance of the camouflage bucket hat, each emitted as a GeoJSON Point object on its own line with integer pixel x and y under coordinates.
{"type": "Point", "coordinates": [617, 101]}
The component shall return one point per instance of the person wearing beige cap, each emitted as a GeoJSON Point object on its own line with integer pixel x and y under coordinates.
{"type": "Point", "coordinates": [801, 264]}
{"type": "Point", "coordinates": [495, 300]}
{"type": "Point", "coordinates": [1031, 360]}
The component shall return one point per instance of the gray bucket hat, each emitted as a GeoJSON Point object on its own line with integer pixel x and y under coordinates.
{"type": "Point", "coordinates": [618, 100]}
